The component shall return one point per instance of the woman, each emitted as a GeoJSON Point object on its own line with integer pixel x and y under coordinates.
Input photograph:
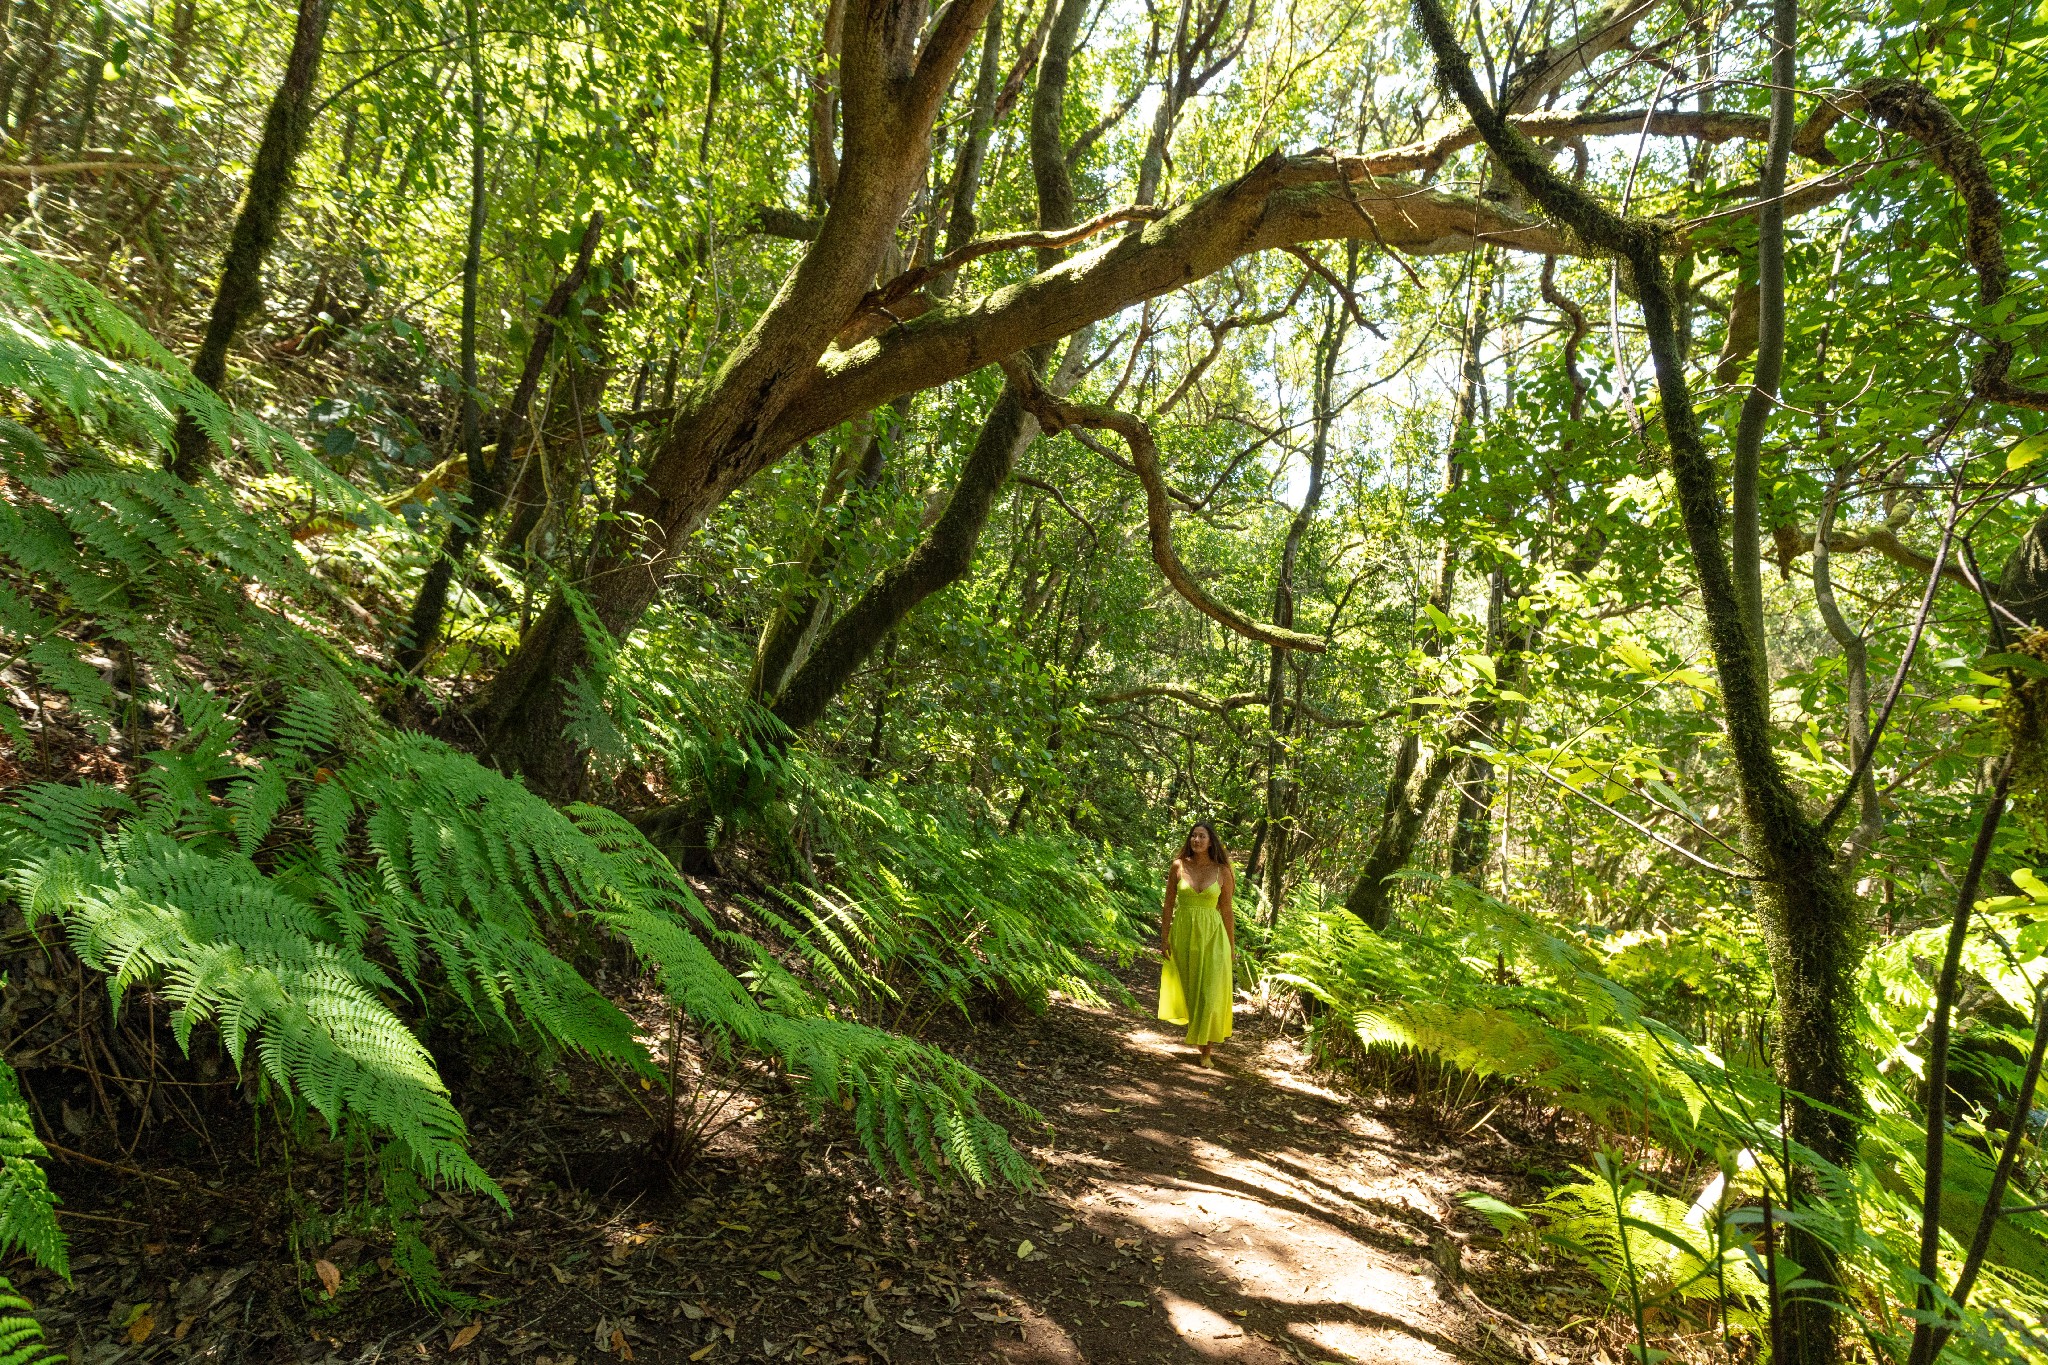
{"type": "Point", "coordinates": [1199, 935]}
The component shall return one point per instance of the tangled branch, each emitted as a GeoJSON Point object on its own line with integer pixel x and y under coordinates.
{"type": "Point", "coordinates": [1056, 415]}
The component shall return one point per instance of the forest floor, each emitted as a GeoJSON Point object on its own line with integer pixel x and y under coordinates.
{"type": "Point", "coordinates": [1252, 1213]}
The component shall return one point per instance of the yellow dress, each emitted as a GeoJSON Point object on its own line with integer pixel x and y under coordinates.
{"type": "Point", "coordinates": [1195, 985]}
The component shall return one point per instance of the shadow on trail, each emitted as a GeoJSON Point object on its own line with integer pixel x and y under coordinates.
{"type": "Point", "coordinates": [1245, 1213]}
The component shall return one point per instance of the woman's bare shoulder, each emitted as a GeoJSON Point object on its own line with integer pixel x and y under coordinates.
{"type": "Point", "coordinates": [1174, 869]}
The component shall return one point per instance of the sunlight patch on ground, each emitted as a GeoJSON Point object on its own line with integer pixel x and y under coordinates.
{"type": "Point", "coordinates": [1202, 1328]}
{"type": "Point", "coordinates": [1045, 1341]}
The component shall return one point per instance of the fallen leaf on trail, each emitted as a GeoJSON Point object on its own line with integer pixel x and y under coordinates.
{"type": "Point", "coordinates": [621, 1348]}
{"type": "Point", "coordinates": [1024, 1248]}
{"type": "Point", "coordinates": [887, 1280]}
{"type": "Point", "coordinates": [692, 1312]}
{"type": "Point", "coordinates": [330, 1276]}
{"type": "Point", "coordinates": [928, 1333]}
{"type": "Point", "coordinates": [703, 1351]}
{"type": "Point", "coordinates": [143, 1324]}
{"type": "Point", "coordinates": [769, 1274]}
{"type": "Point", "coordinates": [1063, 1227]}
{"type": "Point", "coordinates": [184, 1326]}
{"type": "Point", "coordinates": [465, 1336]}
{"type": "Point", "coordinates": [1130, 1303]}
{"type": "Point", "coordinates": [1000, 1319]}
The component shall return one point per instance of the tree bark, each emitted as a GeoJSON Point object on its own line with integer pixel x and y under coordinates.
{"type": "Point", "coordinates": [890, 89]}
{"type": "Point", "coordinates": [780, 386]}
{"type": "Point", "coordinates": [1745, 524]}
{"type": "Point", "coordinates": [1411, 792]}
{"type": "Point", "coordinates": [944, 555]}
{"type": "Point", "coordinates": [947, 551]}
{"type": "Point", "coordinates": [486, 481]}
{"type": "Point", "coordinates": [255, 230]}
{"type": "Point", "coordinates": [792, 633]}
{"type": "Point", "coordinates": [1472, 836]}
{"type": "Point", "coordinates": [540, 493]}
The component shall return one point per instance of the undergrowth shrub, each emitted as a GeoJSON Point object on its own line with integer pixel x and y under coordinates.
{"type": "Point", "coordinates": [291, 869]}
{"type": "Point", "coordinates": [894, 909]}
{"type": "Point", "coordinates": [1491, 991]}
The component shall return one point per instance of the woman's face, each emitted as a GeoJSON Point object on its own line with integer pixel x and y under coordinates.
{"type": "Point", "coordinates": [1198, 840]}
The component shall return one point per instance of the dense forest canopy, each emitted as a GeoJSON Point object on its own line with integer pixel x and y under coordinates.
{"type": "Point", "coordinates": [1558, 485]}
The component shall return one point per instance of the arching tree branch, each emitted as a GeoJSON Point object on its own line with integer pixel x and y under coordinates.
{"type": "Point", "coordinates": [1055, 415]}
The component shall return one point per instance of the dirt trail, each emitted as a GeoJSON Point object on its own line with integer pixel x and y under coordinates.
{"type": "Point", "coordinates": [1247, 1213]}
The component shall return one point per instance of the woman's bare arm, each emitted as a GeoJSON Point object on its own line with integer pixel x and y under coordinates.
{"type": "Point", "coordinates": [1172, 894]}
{"type": "Point", "coordinates": [1226, 903]}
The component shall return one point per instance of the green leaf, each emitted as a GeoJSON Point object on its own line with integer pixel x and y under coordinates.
{"type": "Point", "coordinates": [2027, 451]}
{"type": "Point", "coordinates": [1504, 1216]}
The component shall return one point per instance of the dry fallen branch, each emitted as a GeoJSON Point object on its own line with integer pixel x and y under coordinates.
{"type": "Point", "coordinates": [1056, 415]}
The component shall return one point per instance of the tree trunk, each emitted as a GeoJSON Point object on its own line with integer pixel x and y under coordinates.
{"type": "Point", "coordinates": [1472, 839]}
{"type": "Point", "coordinates": [1812, 925]}
{"type": "Point", "coordinates": [255, 231]}
{"type": "Point", "coordinates": [95, 67]}
{"type": "Point", "coordinates": [1279, 716]}
{"type": "Point", "coordinates": [1411, 792]}
{"type": "Point", "coordinates": [1412, 788]}
{"type": "Point", "coordinates": [543, 490]}
{"type": "Point", "coordinates": [944, 555]}
{"type": "Point", "coordinates": [892, 77]}
{"type": "Point", "coordinates": [947, 551]}
{"type": "Point", "coordinates": [486, 481]}
{"type": "Point", "coordinates": [791, 632]}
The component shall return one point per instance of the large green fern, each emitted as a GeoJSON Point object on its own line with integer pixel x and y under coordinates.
{"type": "Point", "coordinates": [293, 872]}
{"type": "Point", "coordinates": [920, 906]}
{"type": "Point", "coordinates": [21, 1336]}
{"type": "Point", "coordinates": [352, 864]}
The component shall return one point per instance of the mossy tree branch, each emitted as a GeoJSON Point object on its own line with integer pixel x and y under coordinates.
{"type": "Point", "coordinates": [256, 225]}
{"type": "Point", "coordinates": [1815, 933]}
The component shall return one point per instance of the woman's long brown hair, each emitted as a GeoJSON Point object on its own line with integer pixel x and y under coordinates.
{"type": "Point", "coordinates": [1217, 852]}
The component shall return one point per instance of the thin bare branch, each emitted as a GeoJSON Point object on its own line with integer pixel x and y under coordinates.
{"type": "Point", "coordinates": [1056, 415]}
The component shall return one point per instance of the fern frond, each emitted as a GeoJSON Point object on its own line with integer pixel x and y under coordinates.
{"type": "Point", "coordinates": [21, 1336]}
{"type": "Point", "coordinates": [26, 1221]}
